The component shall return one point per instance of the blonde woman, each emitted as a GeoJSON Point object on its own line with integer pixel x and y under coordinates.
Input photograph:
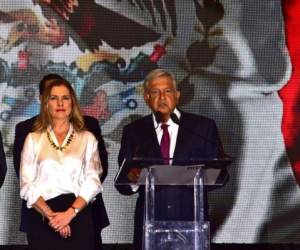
{"type": "Point", "coordinates": [59, 173]}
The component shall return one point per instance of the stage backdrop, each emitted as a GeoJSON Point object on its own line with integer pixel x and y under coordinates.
{"type": "Point", "coordinates": [230, 59]}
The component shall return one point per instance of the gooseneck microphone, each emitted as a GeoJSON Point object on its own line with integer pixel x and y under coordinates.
{"type": "Point", "coordinates": [174, 118]}
{"type": "Point", "coordinates": [141, 150]}
{"type": "Point", "coordinates": [158, 117]}
{"type": "Point", "coordinates": [221, 151]}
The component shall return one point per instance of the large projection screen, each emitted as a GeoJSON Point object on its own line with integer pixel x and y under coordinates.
{"type": "Point", "coordinates": [230, 61]}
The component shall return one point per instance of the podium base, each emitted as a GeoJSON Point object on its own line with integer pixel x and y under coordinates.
{"type": "Point", "coordinates": [177, 235]}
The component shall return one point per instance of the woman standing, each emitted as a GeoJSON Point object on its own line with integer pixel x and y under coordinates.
{"type": "Point", "coordinates": [59, 173]}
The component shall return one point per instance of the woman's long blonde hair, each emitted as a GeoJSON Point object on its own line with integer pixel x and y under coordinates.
{"type": "Point", "coordinates": [44, 119]}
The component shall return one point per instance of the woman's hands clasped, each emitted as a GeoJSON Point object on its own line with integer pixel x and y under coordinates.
{"type": "Point", "coordinates": [60, 221]}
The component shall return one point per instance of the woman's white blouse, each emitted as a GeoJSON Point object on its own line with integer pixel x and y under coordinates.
{"type": "Point", "coordinates": [47, 172]}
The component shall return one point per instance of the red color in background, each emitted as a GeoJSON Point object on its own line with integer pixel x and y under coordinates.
{"type": "Point", "coordinates": [290, 93]}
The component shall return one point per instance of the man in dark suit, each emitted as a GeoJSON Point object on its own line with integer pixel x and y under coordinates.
{"type": "Point", "coordinates": [3, 166]}
{"type": "Point", "coordinates": [23, 128]}
{"type": "Point", "coordinates": [188, 136]}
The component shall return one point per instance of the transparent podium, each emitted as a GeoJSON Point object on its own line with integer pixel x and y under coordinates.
{"type": "Point", "coordinates": [194, 174]}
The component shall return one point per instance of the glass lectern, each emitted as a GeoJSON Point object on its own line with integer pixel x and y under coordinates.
{"type": "Point", "coordinates": [170, 234]}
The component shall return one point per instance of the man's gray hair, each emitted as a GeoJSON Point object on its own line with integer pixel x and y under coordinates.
{"type": "Point", "coordinates": [156, 73]}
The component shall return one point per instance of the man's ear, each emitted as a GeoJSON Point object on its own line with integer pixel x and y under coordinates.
{"type": "Point", "coordinates": [177, 94]}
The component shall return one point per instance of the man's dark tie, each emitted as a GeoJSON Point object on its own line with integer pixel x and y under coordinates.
{"type": "Point", "coordinates": [165, 144]}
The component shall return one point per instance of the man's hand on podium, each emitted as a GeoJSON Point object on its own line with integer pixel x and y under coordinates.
{"type": "Point", "coordinates": [134, 174]}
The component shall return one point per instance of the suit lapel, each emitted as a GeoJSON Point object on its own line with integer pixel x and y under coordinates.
{"type": "Point", "coordinates": [182, 140]}
{"type": "Point", "coordinates": [150, 139]}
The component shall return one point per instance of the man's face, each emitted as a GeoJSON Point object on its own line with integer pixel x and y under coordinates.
{"type": "Point", "coordinates": [162, 96]}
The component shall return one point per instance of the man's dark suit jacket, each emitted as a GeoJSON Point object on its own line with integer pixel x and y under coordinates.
{"type": "Point", "coordinates": [197, 138]}
{"type": "Point", "coordinates": [3, 166]}
{"type": "Point", "coordinates": [24, 128]}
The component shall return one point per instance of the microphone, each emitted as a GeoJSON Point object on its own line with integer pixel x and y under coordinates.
{"type": "Point", "coordinates": [142, 149]}
{"type": "Point", "coordinates": [174, 118]}
{"type": "Point", "coordinates": [225, 159]}
{"type": "Point", "coordinates": [158, 117]}
{"type": "Point", "coordinates": [221, 151]}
